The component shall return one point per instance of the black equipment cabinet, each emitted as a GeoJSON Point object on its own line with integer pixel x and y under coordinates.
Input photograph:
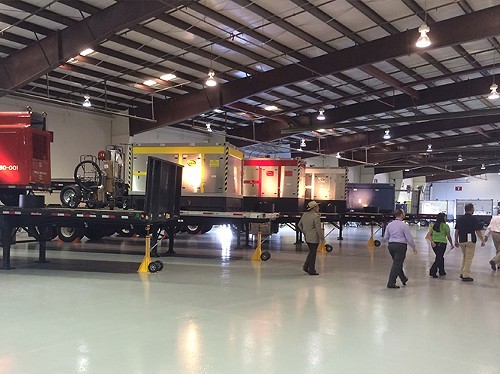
{"type": "Point", "coordinates": [161, 210]}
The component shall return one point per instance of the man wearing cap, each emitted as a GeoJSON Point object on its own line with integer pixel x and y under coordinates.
{"type": "Point", "coordinates": [310, 226]}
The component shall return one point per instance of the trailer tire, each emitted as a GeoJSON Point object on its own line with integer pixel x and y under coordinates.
{"type": "Point", "coordinates": [95, 233]}
{"type": "Point", "coordinates": [193, 229]}
{"type": "Point", "coordinates": [328, 247]}
{"type": "Point", "coordinates": [125, 232]}
{"type": "Point", "coordinates": [68, 234]}
{"type": "Point", "coordinates": [153, 267]}
{"type": "Point", "coordinates": [70, 196]}
{"type": "Point", "coordinates": [377, 243]}
{"type": "Point", "coordinates": [206, 228]}
{"type": "Point", "coordinates": [11, 198]}
{"type": "Point", "coordinates": [265, 256]}
{"type": "Point", "coordinates": [159, 264]}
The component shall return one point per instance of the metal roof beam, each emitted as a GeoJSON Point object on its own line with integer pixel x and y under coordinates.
{"type": "Point", "coordinates": [39, 58]}
{"type": "Point", "coordinates": [445, 33]}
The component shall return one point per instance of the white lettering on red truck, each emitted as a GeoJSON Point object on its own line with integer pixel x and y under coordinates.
{"type": "Point", "coordinates": [9, 167]}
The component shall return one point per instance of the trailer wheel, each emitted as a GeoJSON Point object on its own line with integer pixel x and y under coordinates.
{"type": "Point", "coordinates": [328, 247]}
{"type": "Point", "coordinates": [10, 198]}
{"type": "Point", "coordinates": [206, 228]}
{"type": "Point", "coordinates": [159, 264]}
{"type": "Point", "coordinates": [153, 267]}
{"type": "Point", "coordinates": [125, 232]}
{"type": "Point", "coordinates": [377, 243]}
{"type": "Point", "coordinates": [265, 256]}
{"type": "Point", "coordinates": [94, 233]}
{"type": "Point", "coordinates": [71, 196]}
{"type": "Point", "coordinates": [88, 175]}
{"type": "Point", "coordinates": [68, 234]}
{"type": "Point", "coordinates": [193, 229]}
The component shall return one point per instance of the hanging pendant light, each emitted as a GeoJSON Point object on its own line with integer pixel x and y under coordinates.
{"type": "Point", "coordinates": [387, 135]}
{"type": "Point", "coordinates": [86, 101]}
{"type": "Point", "coordinates": [211, 82]}
{"type": "Point", "coordinates": [429, 148]}
{"type": "Point", "coordinates": [493, 94]}
{"type": "Point", "coordinates": [321, 115]}
{"type": "Point", "coordinates": [423, 41]}
{"type": "Point", "coordinates": [460, 159]}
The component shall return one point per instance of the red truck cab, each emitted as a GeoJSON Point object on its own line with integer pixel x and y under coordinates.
{"type": "Point", "coordinates": [24, 154]}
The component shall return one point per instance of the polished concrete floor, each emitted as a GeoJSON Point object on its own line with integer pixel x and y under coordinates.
{"type": "Point", "coordinates": [213, 310]}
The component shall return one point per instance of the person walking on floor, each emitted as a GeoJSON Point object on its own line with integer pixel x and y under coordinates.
{"type": "Point", "coordinates": [310, 226]}
{"type": "Point", "coordinates": [437, 235]}
{"type": "Point", "coordinates": [398, 235]}
{"type": "Point", "coordinates": [493, 229]}
{"type": "Point", "coordinates": [467, 229]}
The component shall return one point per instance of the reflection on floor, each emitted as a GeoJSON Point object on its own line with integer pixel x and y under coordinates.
{"type": "Point", "coordinates": [212, 310]}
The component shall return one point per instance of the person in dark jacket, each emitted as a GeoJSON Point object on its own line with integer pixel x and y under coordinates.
{"type": "Point", "coordinates": [310, 226]}
{"type": "Point", "coordinates": [467, 230]}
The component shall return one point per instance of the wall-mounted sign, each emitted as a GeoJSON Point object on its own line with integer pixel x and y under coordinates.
{"type": "Point", "coordinates": [458, 188]}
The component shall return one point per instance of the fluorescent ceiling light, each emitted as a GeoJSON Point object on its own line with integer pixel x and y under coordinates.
{"type": "Point", "coordinates": [168, 77]}
{"type": "Point", "coordinates": [271, 108]}
{"type": "Point", "coordinates": [149, 82]}
{"type": "Point", "coordinates": [86, 52]}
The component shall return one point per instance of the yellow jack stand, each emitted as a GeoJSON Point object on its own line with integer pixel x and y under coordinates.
{"type": "Point", "coordinates": [147, 257]}
{"type": "Point", "coordinates": [371, 242]}
{"type": "Point", "coordinates": [321, 247]}
{"type": "Point", "coordinates": [258, 251]}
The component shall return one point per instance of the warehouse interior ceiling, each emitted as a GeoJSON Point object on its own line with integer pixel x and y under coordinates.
{"type": "Point", "coordinates": [278, 65]}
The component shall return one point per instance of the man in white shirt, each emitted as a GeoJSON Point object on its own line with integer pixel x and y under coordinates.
{"type": "Point", "coordinates": [493, 229]}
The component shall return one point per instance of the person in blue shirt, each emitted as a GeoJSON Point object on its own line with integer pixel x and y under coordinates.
{"type": "Point", "coordinates": [398, 235]}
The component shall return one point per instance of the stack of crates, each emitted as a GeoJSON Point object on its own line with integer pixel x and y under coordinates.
{"type": "Point", "coordinates": [211, 176]}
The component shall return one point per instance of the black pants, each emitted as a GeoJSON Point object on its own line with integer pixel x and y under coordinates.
{"type": "Point", "coordinates": [438, 264]}
{"type": "Point", "coordinates": [310, 264]}
{"type": "Point", "coordinates": [398, 254]}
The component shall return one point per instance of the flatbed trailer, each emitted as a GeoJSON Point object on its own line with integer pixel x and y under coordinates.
{"type": "Point", "coordinates": [241, 220]}
{"type": "Point", "coordinates": [340, 219]}
{"type": "Point", "coordinates": [41, 222]}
